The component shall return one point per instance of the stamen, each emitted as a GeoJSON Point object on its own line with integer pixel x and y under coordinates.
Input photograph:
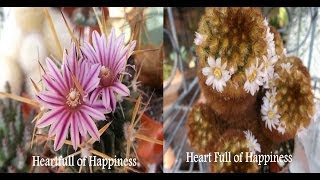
{"type": "Point", "coordinates": [73, 98]}
{"type": "Point", "coordinates": [217, 73]}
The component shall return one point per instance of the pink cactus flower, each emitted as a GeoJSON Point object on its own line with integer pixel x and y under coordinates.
{"type": "Point", "coordinates": [69, 104]}
{"type": "Point", "coordinates": [112, 55]}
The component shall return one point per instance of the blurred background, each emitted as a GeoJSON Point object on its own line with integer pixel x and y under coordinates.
{"type": "Point", "coordinates": [300, 30]}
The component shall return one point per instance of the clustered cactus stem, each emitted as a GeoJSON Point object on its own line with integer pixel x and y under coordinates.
{"type": "Point", "coordinates": [256, 96]}
{"type": "Point", "coordinates": [234, 35]}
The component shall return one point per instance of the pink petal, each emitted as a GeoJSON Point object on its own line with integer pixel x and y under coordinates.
{"type": "Point", "coordinates": [72, 58]}
{"type": "Point", "coordinates": [118, 46]}
{"type": "Point", "coordinates": [121, 89]}
{"type": "Point", "coordinates": [92, 112]}
{"type": "Point", "coordinates": [90, 125]}
{"type": "Point", "coordinates": [62, 132]}
{"type": "Point", "coordinates": [110, 46]}
{"type": "Point", "coordinates": [78, 121]}
{"type": "Point", "coordinates": [50, 85]}
{"type": "Point", "coordinates": [49, 117]}
{"type": "Point", "coordinates": [51, 98]}
{"type": "Point", "coordinates": [127, 50]}
{"type": "Point", "coordinates": [94, 95]}
{"type": "Point", "coordinates": [98, 105]}
{"type": "Point", "coordinates": [67, 76]}
{"type": "Point", "coordinates": [106, 98]}
{"type": "Point", "coordinates": [91, 81]}
{"type": "Point", "coordinates": [54, 126]}
{"type": "Point", "coordinates": [74, 132]}
{"type": "Point", "coordinates": [89, 52]}
{"type": "Point", "coordinates": [54, 71]}
{"type": "Point", "coordinates": [103, 45]}
{"type": "Point", "coordinates": [123, 56]}
{"type": "Point", "coordinates": [96, 45]}
{"type": "Point", "coordinates": [82, 73]}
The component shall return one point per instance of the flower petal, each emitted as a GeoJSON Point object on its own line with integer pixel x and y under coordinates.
{"type": "Point", "coordinates": [79, 124]}
{"type": "Point", "coordinates": [122, 57]}
{"type": "Point", "coordinates": [49, 117]}
{"type": "Point", "coordinates": [98, 105]}
{"type": "Point", "coordinates": [95, 94]}
{"type": "Point", "coordinates": [110, 47]}
{"type": "Point", "coordinates": [117, 50]}
{"type": "Point", "coordinates": [55, 73]}
{"type": "Point", "coordinates": [92, 112]}
{"type": "Point", "coordinates": [51, 98]}
{"type": "Point", "coordinates": [52, 86]}
{"type": "Point", "coordinates": [96, 44]}
{"type": "Point", "coordinates": [218, 62]}
{"type": "Point", "coordinates": [74, 132]}
{"type": "Point", "coordinates": [71, 58]}
{"type": "Point", "coordinates": [67, 76]}
{"type": "Point", "coordinates": [206, 71]}
{"type": "Point", "coordinates": [121, 89]}
{"type": "Point", "coordinates": [210, 80]}
{"type": "Point", "coordinates": [88, 51]}
{"type": "Point", "coordinates": [91, 80]}
{"type": "Point", "coordinates": [90, 125]}
{"type": "Point", "coordinates": [106, 98]}
{"type": "Point", "coordinates": [54, 127]}
{"type": "Point", "coordinates": [63, 131]}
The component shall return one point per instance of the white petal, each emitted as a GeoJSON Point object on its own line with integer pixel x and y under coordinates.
{"type": "Point", "coordinates": [219, 86]}
{"type": "Point", "coordinates": [206, 71]}
{"type": "Point", "coordinates": [211, 62]}
{"type": "Point", "coordinates": [225, 75]}
{"type": "Point", "coordinates": [210, 80]}
{"type": "Point", "coordinates": [224, 66]}
{"type": "Point", "coordinates": [218, 62]}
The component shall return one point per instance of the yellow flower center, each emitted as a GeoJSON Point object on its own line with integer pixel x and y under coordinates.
{"type": "Point", "coordinates": [271, 114]}
{"type": "Point", "coordinates": [217, 73]}
{"type": "Point", "coordinates": [73, 98]}
{"type": "Point", "coordinates": [253, 76]}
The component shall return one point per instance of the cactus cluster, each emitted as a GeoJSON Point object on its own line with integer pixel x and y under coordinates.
{"type": "Point", "coordinates": [234, 35]}
{"type": "Point", "coordinates": [250, 85]}
{"type": "Point", "coordinates": [15, 137]}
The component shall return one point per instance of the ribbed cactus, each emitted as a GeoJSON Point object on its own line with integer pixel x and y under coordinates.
{"type": "Point", "coordinates": [15, 137]}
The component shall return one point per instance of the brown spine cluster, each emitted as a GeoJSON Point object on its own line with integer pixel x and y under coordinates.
{"type": "Point", "coordinates": [294, 99]}
{"type": "Point", "coordinates": [204, 128]}
{"type": "Point", "coordinates": [233, 141]}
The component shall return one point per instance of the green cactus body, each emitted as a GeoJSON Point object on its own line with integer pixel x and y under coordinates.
{"type": "Point", "coordinates": [14, 145]}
